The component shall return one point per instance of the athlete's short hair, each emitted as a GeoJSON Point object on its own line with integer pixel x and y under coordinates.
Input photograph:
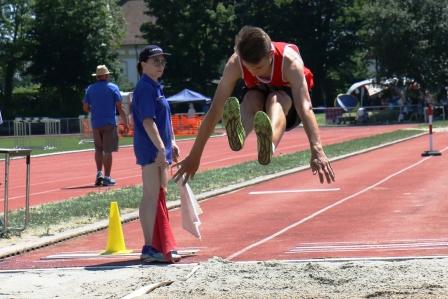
{"type": "Point", "coordinates": [252, 44]}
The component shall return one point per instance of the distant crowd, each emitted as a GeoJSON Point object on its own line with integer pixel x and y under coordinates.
{"type": "Point", "coordinates": [407, 96]}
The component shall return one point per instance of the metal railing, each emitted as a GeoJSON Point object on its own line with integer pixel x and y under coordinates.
{"type": "Point", "coordinates": [66, 125]}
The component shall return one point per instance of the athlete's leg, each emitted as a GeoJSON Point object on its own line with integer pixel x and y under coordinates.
{"type": "Point", "coordinates": [278, 104]}
{"type": "Point", "coordinates": [238, 118]}
{"type": "Point", "coordinates": [253, 102]}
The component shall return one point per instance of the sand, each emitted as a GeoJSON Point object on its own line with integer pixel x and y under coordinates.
{"type": "Point", "coordinates": [216, 278]}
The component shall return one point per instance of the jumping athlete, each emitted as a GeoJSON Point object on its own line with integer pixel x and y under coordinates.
{"type": "Point", "coordinates": [275, 98]}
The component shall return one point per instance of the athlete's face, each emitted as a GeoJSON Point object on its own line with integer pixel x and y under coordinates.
{"type": "Point", "coordinates": [262, 68]}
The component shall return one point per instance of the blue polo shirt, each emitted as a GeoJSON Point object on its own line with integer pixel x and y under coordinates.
{"type": "Point", "coordinates": [102, 97]}
{"type": "Point", "coordinates": [148, 101]}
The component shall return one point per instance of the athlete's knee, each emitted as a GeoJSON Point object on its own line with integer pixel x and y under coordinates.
{"type": "Point", "coordinates": [253, 102]}
{"type": "Point", "coordinates": [278, 99]}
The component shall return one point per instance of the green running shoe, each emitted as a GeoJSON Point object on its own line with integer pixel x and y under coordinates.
{"type": "Point", "coordinates": [263, 129]}
{"type": "Point", "coordinates": [232, 121]}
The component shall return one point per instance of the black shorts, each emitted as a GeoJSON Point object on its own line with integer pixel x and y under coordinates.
{"type": "Point", "coordinates": [292, 119]}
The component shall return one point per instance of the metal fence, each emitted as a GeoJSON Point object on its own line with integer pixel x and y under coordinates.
{"type": "Point", "coordinates": [380, 114]}
{"type": "Point", "coordinates": [40, 126]}
{"type": "Point", "coordinates": [333, 116]}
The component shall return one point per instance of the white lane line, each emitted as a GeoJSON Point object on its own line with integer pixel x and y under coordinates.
{"type": "Point", "coordinates": [102, 255]}
{"type": "Point", "coordinates": [324, 247]}
{"type": "Point", "coordinates": [293, 191]}
{"type": "Point", "coordinates": [389, 242]}
{"type": "Point", "coordinates": [73, 187]}
{"type": "Point", "coordinates": [68, 179]}
{"type": "Point", "coordinates": [321, 211]}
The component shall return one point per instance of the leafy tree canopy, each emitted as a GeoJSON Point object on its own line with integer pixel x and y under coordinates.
{"type": "Point", "coordinates": [15, 22]}
{"type": "Point", "coordinates": [70, 39]}
{"type": "Point", "coordinates": [408, 37]}
{"type": "Point", "coordinates": [200, 34]}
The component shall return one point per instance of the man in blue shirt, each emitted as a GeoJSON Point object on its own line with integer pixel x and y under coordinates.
{"type": "Point", "coordinates": [102, 99]}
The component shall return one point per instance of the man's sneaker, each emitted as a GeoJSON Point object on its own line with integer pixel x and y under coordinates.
{"type": "Point", "coordinates": [150, 254]}
{"type": "Point", "coordinates": [108, 181]}
{"type": "Point", "coordinates": [263, 129]}
{"type": "Point", "coordinates": [99, 179]}
{"type": "Point", "coordinates": [232, 122]}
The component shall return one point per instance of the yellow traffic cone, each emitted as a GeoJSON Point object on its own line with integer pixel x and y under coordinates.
{"type": "Point", "coordinates": [115, 239]}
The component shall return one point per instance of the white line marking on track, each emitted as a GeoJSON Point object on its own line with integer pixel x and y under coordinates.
{"type": "Point", "coordinates": [329, 207]}
{"type": "Point", "coordinates": [62, 189]}
{"type": "Point", "coordinates": [293, 191]}
{"type": "Point", "coordinates": [406, 245]}
{"type": "Point", "coordinates": [195, 264]}
{"type": "Point", "coordinates": [101, 255]}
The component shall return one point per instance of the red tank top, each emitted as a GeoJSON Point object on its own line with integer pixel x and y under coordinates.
{"type": "Point", "coordinates": [276, 79]}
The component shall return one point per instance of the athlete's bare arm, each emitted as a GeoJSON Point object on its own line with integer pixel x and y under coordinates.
{"type": "Point", "coordinates": [231, 74]}
{"type": "Point", "coordinates": [293, 74]}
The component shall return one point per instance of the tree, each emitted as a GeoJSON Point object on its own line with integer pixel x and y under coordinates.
{"type": "Point", "coordinates": [408, 37]}
{"type": "Point", "coordinates": [199, 34]}
{"type": "Point", "coordinates": [87, 33]}
{"type": "Point", "coordinates": [15, 22]}
{"type": "Point", "coordinates": [324, 30]}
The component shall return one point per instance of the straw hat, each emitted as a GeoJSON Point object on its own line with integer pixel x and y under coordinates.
{"type": "Point", "coordinates": [101, 70]}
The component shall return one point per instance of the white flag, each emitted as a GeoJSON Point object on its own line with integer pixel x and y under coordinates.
{"type": "Point", "coordinates": [190, 210]}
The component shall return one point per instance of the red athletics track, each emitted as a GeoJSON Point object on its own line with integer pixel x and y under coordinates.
{"type": "Point", "coordinates": [391, 202]}
{"type": "Point", "coordinates": [60, 177]}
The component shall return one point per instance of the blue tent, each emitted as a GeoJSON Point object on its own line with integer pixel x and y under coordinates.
{"type": "Point", "coordinates": [346, 102]}
{"type": "Point", "coordinates": [186, 96]}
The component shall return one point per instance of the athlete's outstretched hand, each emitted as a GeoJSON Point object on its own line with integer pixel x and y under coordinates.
{"type": "Point", "coordinates": [186, 169]}
{"type": "Point", "coordinates": [321, 165]}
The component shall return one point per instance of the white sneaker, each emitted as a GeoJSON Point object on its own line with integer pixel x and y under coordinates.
{"type": "Point", "coordinates": [108, 181]}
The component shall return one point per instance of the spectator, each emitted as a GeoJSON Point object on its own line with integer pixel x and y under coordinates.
{"type": "Point", "coordinates": [191, 111]}
{"type": "Point", "coordinates": [443, 97]}
{"type": "Point", "coordinates": [415, 98]}
{"type": "Point", "coordinates": [101, 100]}
{"type": "Point", "coordinates": [429, 99]}
{"type": "Point", "coordinates": [362, 116]}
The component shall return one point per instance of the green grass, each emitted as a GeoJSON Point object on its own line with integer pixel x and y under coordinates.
{"type": "Point", "coordinates": [320, 118]}
{"type": "Point", "coordinates": [95, 206]}
{"type": "Point", "coordinates": [62, 143]}
{"type": "Point", "coordinates": [436, 124]}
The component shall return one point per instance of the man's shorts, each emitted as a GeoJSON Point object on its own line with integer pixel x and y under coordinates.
{"type": "Point", "coordinates": [292, 119]}
{"type": "Point", "coordinates": [106, 139]}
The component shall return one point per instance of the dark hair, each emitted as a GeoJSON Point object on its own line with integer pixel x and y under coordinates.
{"type": "Point", "coordinates": [252, 44]}
{"type": "Point", "coordinates": [148, 52]}
{"type": "Point", "coordinates": [139, 68]}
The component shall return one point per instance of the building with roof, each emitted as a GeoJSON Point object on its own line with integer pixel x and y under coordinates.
{"type": "Point", "coordinates": [134, 15]}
